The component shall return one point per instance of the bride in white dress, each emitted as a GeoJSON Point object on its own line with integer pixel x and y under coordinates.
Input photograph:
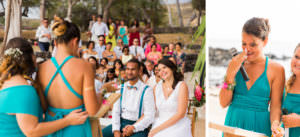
{"type": "Point", "coordinates": [171, 100]}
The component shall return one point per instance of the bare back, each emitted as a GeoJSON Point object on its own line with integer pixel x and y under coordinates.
{"type": "Point", "coordinates": [59, 95]}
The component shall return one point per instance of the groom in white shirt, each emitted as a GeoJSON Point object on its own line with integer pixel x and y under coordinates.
{"type": "Point", "coordinates": [133, 113]}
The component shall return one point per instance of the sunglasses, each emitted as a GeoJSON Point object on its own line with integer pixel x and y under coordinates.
{"type": "Point", "coordinates": [101, 40]}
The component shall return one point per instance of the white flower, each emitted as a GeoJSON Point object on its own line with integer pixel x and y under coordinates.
{"type": "Point", "coordinates": [13, 52]}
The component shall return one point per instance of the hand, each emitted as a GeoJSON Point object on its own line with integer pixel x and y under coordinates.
{"type": "Point", "coordinates": [277, 131]}
{"type": "Point", "coordinates": [128, 130]}
{"type": "Point", "coordinates": [152, 132]}
{"type": "Point", "coordinates": [235, 65]}
{"type": "Point", "coordinates": [77, 117]}
{"type": "Point", "coordinates": [117, 134]}
{"type": "Point", "coordinates": [47, 35]}
{"type": "Point", "coordinates": [290, 120]}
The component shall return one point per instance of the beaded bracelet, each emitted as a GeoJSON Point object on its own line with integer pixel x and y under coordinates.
{"type": "Point", "coordinates": [228, 86]}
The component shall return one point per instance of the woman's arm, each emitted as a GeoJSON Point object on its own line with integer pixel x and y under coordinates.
{"type": "Point", "coordinates": [89, 93]}
{"type": "Point", "coordinates": [114, 56]}
{"type": "Point", "coordinates": [30, 125]}
{"type": "Point", "coordinates": [183, 97]}
{"type": "Point", "coordinates": [277, 86]}
{"type": "Point", "coordinates": [225, 96]}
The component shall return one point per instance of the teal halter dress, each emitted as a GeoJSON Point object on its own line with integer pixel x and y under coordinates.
{"type": "Point", "coordinates": [21, 99]}
{"type": "Point", "coordinates": [249, 108]}
{"type": "Point", "coordinates": [125, 38]}
{"type": "Point", "coordinates": [292, 103]}
{"type": "Point", "coordinates": [83, 130]}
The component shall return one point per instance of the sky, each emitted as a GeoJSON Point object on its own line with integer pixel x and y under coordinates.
{"type": "Point", "coordinates": [225, 18]}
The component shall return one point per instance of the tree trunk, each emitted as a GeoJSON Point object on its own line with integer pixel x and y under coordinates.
{"type": "Point", "coordinates": [169, 13]}
{"type": "Point", "coordinates": [179, 13]}
{"type": "Point", "coordinates": [42, 9]}
{"type": "Point", "coordinates": [107, 6]}
{"type": "Point", "coordinates": [69, 11]}
{"type": "Point", "coordinates": [99, 7]}
{"type": "Point", "coordinates": [15, 22]}
{"type": "Point", "coordinates": [146, 16]}
{"type": "Point", "coordinates": [7, 23]}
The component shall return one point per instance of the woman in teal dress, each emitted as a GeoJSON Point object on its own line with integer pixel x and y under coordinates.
{"type": "Point", "coordinates": [248, 101]}
{"type": "Point", "coordinates": [123, 33]}
{"type": "Point", "coordinates": [20, 103]}
{"type": "Point", "coordinates": [68, 82]}
{"type": "Point", "coordinates": [292, 99]}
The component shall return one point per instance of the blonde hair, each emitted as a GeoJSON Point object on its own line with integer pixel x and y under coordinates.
{"type": "Point", "coordinates": [292, 79]}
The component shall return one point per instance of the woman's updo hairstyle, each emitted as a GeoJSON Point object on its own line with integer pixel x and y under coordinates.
{"type": "Point", "coordinates": [17, 59]}
{"type": "Point", "coordinates": [177, 75]}
{"type": "Point", "coordinates": [64, 31]}
{"type": "Point", "coordinates": [259, 27]}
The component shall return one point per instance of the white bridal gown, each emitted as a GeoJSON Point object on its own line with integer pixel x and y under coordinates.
{"type": "Point", "coordinates": [166, 108]}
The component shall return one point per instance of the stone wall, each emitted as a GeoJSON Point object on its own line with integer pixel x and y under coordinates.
{"type": "Point", "coordinates": [189, 30]}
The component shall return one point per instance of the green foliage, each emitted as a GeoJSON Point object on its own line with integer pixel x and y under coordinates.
{"type": "Point", "coordinates": [199, 4]}
{"type": "Point", "coordinates": [133, 9]}
{"type": "Point", "coordinates": [2, 20]}
{"type": "Point", "coordinates": [200, 63]}
{"type": "Point", "coordinates": [81, 15]}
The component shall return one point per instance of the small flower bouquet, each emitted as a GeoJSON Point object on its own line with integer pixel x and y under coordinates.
{"type": "Point", "coordinates": [199, 95]}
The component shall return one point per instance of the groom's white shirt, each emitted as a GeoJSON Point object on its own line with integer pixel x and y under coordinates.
{"type": "Point", "coordinates": [130, 107]}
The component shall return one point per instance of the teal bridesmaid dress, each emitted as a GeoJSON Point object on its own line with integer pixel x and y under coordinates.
{"type": "Point", "coordinates": [83, 130]}
{"type": "Point", "coordinates": [292, 103]}
{"type": "Point", "coordinates": [249, 108]}
{"type": "Point", "coordinates": [22, 99]}
{"type": "Point", "coordinates": [125, 38]}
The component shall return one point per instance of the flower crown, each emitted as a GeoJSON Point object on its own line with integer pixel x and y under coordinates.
{"type": "Point", "coordinates": [13, 52]}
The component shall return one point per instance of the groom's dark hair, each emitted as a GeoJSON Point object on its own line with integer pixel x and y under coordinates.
{"type": "Point", "coordinates": [135, 61]}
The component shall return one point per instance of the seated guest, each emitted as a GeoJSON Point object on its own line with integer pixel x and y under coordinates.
{"type": "Point", "coordinates": [152, 41]}
{"type": "Point", "coordinates": [118, 49]}
{"type": "Point", "coordinates": [180, 57]}
{"type": "Point", "coordinates": [21, 112]}
{"type": "Point", "coordinates": [135, 110]}
{"type": "Point", "coordinates": [90, 51]}
{"type": "Point", "coordinates": [149, 65]}
{"type": "Point", "coordinates": [166, 54]}
{"type": "Point", "coordinates": [101, 73]}
{"type": "Point", "coordinates": [110, 55]}
{"type": "Point", "coordinates": [171, 48]}
{"type": "Point", "coordinates": [118, 65]}
{"type": "Point", "coordinates": [154, 55]}
{"type": "Point", "coordinates": [111, 76]}
{"type": "Point", "coordinates": [144, 75]}
{"type": "Point", "coordinates": [136, 50]}
{"type": "Point", "coordinates": [154, 79]}
{"type": "Point", "coordinates": [126, 56]}
{"type": "Point", "coordinates": [104, 62]}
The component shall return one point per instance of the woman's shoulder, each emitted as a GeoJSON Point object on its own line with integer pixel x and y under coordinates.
{"type": "Point", "coordinates": [275, 66]}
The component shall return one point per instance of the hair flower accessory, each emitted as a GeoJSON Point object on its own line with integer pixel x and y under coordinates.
{"type": "Point", "coordinates": [13, 52]}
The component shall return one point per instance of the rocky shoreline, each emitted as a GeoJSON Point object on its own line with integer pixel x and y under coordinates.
{"type": "Point", "coordinates": [221, 57]}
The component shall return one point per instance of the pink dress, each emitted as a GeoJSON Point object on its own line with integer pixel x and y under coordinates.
{"type": "Point", "coordinates": [148, 48]}
{"type": "Point", "coordinates": [154, 58]}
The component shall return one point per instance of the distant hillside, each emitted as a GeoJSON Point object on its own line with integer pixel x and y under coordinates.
{"type": "Point", "coordinates": [186, 11]}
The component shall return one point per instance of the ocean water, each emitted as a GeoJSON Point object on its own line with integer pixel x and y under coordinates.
{"type": "Point", "coordinates": [216, 73]}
